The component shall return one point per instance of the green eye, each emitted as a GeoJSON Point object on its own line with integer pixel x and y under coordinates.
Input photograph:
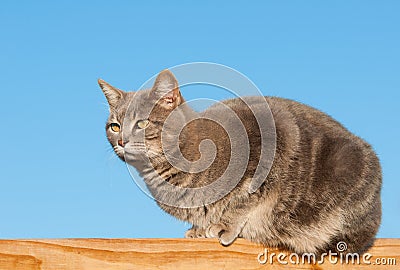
{"type": "Point", "coordinates": [115, 127]}
{"type": "Point", "coordinates": [143, 123]}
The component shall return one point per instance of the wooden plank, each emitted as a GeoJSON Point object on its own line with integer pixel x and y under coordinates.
{"type": "Point", "coordinates": [164, 254]}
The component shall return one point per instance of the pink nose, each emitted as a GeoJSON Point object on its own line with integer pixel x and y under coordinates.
{"type": "Point", "coordinates": [121, 143]}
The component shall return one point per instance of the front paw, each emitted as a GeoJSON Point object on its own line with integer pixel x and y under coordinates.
{"type": "Point", "coordinates": [195, 232]}
{"type": "Point", "coordinates": [225, 235]}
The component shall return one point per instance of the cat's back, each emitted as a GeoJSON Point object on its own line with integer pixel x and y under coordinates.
{"type": "Point", "coordinates": [288, 112]}
{"type": "Point", "coordinates": [300, 129]}
{"type": "Point", "coordinates": [311, 123]}
{"type": "Point", "coordinates": [305, 116]}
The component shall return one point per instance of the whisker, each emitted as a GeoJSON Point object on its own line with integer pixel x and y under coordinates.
{"type": "Point", "coordinates": [112, 157]}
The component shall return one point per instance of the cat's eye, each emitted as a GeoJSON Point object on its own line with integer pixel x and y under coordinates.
{"type": "Point", "coordinates": [143, 123]}
{"type": "Point", "coordinates": [115, 127]}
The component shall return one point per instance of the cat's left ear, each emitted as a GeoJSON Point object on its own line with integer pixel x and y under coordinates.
{"type": "Point", "coordinates": [166, 90]}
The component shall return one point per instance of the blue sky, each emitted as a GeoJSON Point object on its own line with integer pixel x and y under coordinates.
{"type": "Point", "coordinates": [58, 175]}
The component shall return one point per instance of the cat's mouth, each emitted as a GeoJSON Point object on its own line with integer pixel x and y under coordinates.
{"type": "Point", "coordinates": [119, 150]}
{"type": "Point", "coordinates": [135, 150]}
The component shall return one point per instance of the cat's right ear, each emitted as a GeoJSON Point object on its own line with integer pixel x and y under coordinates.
{"type": "Point", "coordinates": [166, 89]}
{"type": "Point", "coordinates": [112, 94]}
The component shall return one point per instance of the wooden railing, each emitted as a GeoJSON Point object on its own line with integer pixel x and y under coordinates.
{"type": "Point", "coordinates": [173, 254]}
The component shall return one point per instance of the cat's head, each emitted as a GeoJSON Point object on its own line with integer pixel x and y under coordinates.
{"type": "Point", "coordinates": [136, 118]}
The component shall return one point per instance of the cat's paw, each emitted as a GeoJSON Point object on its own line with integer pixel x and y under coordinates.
{"type": "Point", "coordinates": [195, 232]}
{"type": "Point", "coordinates": [225, 235]}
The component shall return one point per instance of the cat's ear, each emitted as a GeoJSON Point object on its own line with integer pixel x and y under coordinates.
{"type": "Point", "coordinates": [112, 94]}
{"type": "Point", "coordinates": [166, 90]}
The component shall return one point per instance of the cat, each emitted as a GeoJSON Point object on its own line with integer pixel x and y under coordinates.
{"type": "Point", "coordinates": [323, 187]}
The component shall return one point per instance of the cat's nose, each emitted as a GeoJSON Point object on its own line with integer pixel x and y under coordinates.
{"type": "Point", "coordinates": [121, 143]}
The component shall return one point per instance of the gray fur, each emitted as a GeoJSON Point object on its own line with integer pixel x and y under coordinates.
{"type": "Point", "coordinates": [324, 185]}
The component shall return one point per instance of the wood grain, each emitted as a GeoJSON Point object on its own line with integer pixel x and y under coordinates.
{"type": "Point", "coordinates": [173, 254]}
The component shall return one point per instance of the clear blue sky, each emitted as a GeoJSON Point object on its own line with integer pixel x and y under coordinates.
{"type": "Point", "coordinates": [58, 175]}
